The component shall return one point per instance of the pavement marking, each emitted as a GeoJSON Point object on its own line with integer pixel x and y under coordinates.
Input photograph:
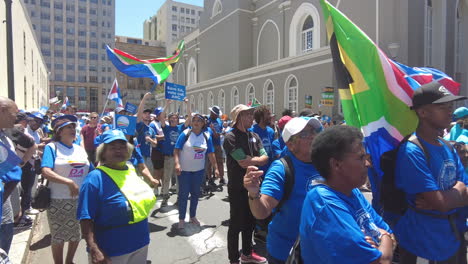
{"type": "Point", "coordinates": [204, 241]}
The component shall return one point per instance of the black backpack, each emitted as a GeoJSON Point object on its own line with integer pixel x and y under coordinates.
{"type": "Point", "coordinates": [295, 253]}
{"type": "Point", "coordinates": [289, 179]}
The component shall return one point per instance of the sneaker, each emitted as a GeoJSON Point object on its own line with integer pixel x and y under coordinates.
{"type": "Point", "coordinates": [32, 211]}
{"type": "Point", "coordinates": [25, 221]}
{"type": "Point", "coordinates": [253, 258]}
{"type": "Point", "coordinates": [164, 203]}
{"type": "Point", "coordinates": [222, 181]}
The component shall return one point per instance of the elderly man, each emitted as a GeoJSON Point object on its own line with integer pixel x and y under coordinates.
{"type": "Point", "coordinates": [284, 227]}
{"type": "Point", "coordinates": [243, 149]}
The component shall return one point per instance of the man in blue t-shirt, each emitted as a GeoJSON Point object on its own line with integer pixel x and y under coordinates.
{"type": "Point", "coordinates": [146, 136]}
{"type": "Point", "coordinates": [262, 116]}
{"type": "Point", "coordinates": [284, 227]}
{"type": "Point", "coordinates": [216, 129]}
{"type": "Point", "coordinates": [432, 179]}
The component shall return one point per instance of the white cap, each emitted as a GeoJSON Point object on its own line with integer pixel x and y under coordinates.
{"type": "Point", "coordinates": [297, 124]}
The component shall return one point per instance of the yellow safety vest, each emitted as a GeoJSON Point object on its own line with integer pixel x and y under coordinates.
{"type": "Point", "coordinates": [138, 194]}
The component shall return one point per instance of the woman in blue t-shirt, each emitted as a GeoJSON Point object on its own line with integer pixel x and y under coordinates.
{"type": "Point", "coordinates": [191, 149]}
{"type": "Point", "coordinates": [338, 225]}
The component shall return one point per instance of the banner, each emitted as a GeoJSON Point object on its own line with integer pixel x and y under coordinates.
{"type": "Point", "coordinates": [308, 101]}
{"type": "Point", "coordinates": [174, 91]}
{"type": "Point", "coordinates": [131, 108]}
{"type": "Point", "coordinates": [8, 159]}
{"type": "Point", "coordinates": [43, 110]}
{"type": "Point", "coordinates": [127, 124]}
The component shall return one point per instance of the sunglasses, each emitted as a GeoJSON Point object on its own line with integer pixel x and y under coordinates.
{"type": "Point", "coordinates": [94, 117]}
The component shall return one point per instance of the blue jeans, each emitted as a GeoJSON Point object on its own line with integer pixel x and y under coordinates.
{"type": "Point", "coordinates": [189, 182]}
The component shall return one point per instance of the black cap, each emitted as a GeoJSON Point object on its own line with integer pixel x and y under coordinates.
{"type": "Point", "coordinates": [433, 93]}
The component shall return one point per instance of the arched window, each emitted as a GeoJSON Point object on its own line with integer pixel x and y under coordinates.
{"type": "Point", "coordinates": [192, 103]}
{"type": "Point", "coordinates": [180, 77]}
{"type": "Point", "coordinates": [291, 90]}
{"type": "Point", "coordinates": [250, 93]}
{"type": "Point", "coordinates": [217, 8]}
{"type": "Point", "coordinates": [269, 95]}
{"type": "Point", "coordinates": [210, 99]}
{"type": "Point", "coordinates": [428, 33]}
{"type": "Point", "coordinates": [304, 30]}
{"type": "Point", "coordinates": [307, 34]}
{"type": "Point", "coordinates": [221, 98]}
{"type": "Point", "coordinates": [201, 106]}
{"type": "Point", "coordinates": [234, 96]}
{"type": "Point", "coordinates": [192, 72]}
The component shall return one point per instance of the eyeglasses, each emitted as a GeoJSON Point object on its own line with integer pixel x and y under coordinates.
{"type": "Point", "coordinates": [94, 117]}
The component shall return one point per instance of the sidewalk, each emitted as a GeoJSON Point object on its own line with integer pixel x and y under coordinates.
{"type": "Point", "coordinates": [21, 240]}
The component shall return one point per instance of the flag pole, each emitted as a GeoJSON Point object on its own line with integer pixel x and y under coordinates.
{"type": "Point", "coordinates": [107, 100]}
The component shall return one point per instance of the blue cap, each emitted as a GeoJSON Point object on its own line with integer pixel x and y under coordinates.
{"type": "Point", "coordinates": [70, 118]}
{"type": "Point", "coordinates": [460, 113]}
{"type": "Point", "coordinates": [112, 135]}
{"type": "Point", "coordinates": [158, 110]}
{"type": "Point", "coordinates": [40, 116]}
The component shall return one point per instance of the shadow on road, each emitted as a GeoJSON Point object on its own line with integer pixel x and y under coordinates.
{"type": "Point", "coordinates": [156, 228]}
{"type": "Point", "coordinates": [43, 243]}
{"type": "Point", "coordinates": [189, 230]}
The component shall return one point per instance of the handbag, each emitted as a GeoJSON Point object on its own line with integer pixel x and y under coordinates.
{"type": "Point", "coordinates": [41, 200]}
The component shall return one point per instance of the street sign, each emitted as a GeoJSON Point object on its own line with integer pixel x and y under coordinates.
{"type": "Point", "coordinates": [326, 102]}
{"type": "Point", "coordinates": [174, 91]}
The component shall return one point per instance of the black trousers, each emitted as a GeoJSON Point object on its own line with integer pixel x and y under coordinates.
{"type": "Point", "coordinates": [28, 177]}
{"type": "Point", "coordinates": [241, 220]}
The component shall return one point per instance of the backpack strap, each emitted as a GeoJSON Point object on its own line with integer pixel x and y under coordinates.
{"type": "Point", "coordinates": [415, 140]}
{"type": "Point", "coordinates": [289, 179]}
{"type": "Point", "coordinates": [187, 136]}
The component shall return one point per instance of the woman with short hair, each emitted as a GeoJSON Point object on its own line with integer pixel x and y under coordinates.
{"type": "Point", "coordinates": [114, 205]}
{"type": "Point", "coordinates": [65, 166]}
{"type": "Point", "coordinates": [338, 225]}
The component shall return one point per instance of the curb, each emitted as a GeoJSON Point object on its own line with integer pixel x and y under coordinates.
{"type": "Point", "coordinates": [21, 241]}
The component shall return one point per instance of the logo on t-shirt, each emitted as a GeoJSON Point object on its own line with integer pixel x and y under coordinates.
{"type": "Point", "coordinates": [366, 223]}
{"type": "Point", "coordinates": [78, 169]}
{"type": "Point", "coordinates": [173, 136]}
{"type": "Point", "coordinates": [447, 175]}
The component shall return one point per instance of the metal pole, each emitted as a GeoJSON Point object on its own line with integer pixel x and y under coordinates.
{"type": "Point", "coordinates": [9, 44]}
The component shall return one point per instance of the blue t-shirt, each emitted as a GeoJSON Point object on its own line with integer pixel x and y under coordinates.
{"type": "Point", "coordinates": [426, 236]}
{"type": "Point", "coordinates": [284, 227]}
{"type": "Point", "coordinates": [267, 136]}
{"type": "Point", "coordinates": [101, 200]}
{"type": "Point", "coordinates": [278, 146]}
{"type": "Point", "coordinates": [171, 134]}
{"type": "Point", "coordinates": [333, 226]}
{"type": "Point", "coordinates": [218, 126]}
{"type": "Point", "coordinates": [142, 131]}
{"type": "Point", "coordinates": [136, 157]}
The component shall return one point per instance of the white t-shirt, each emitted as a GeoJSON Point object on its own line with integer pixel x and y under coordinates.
{"type": "Point", "coordinates": [70, 162]}
{"type": "Point", "coordinates": [193, 153]}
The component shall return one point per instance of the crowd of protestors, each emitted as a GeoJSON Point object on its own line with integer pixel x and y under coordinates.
{"type": "Point", "coordinates": [294, 184]}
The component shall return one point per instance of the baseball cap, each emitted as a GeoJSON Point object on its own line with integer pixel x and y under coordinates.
{"type": "Point", "coordinates": [433, 93]}
{"type": "Point", "coordinates": [460, 112]}
{"type": "Point", "coordinates": [237, 110]}
{"type": "Point", "coordinates": [297, 124]}
{"type": "Point", "coordinates": [283, 121]}
{"type": "Point", "coordinates": [112, 135]}
{"type": "Point", "coordinates": [216, 110]}
{"type": "Point", "coordinates": [36, 115]}
{"type": "Point", "coordinates": [195, 114]}
{"type": "Point", "coordinates": [158, 111]}
{"type": "Point", "coordinates": [119, 109]}
{"type": "Point", "coordinates": [70, 119]}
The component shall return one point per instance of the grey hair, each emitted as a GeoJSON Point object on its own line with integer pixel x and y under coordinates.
{"type": "Point", "coordinates": [101, 149]}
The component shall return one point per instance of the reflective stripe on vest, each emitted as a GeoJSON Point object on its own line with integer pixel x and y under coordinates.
{"type": "Point", "coordinates": [138, 194]}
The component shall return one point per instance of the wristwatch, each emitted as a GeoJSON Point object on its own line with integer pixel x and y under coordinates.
{"type": "Point", "coordinates": [256, 197]}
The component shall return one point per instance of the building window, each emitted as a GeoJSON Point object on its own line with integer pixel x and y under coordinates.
{"type": "Point", "coordinates": [82, 44]}
{"type": "Point", "coordinates": [192, 72]}
{"type": "Point", "coordinates": [307, 34]}
{"type": "Point", "coordinates": [428, 33]}
{"type": "Point", "coordinates": [82, 21]}
{"type": "Point", "coordinates": [70, 20]}
{"type": "Point", "coordinates": [269, 95]}
{"type": "Point", "coordinates": [201, 106]}
{"type": "Point", "coordinates": [93, 56]}
{"type": "Point", "coordinates": [192, 12]}
{"type": "Point", "coordinates": [58, 66]}
{"type": "Point", "coordinates": [45, 28]}
{"type": "Point", "coordinates": [82, 10]}
{"type": "Point", "coordinates": [93, 99]}
{"type": "Point", "coordinates": [70, 43]}
{"type": "Point", "coordinates": [174, 17]}
{"type": "Point", "coordinates": [221, 99]}
{"type": "Point", "coordinates": [235, 97]}
{"type": "Point", "coordinates": [33, 14]}
{"type": "Point", "coordinates": [217, 8]}
{"type": "Point", "coordinates": [192, 20]}
{"type": "Point", "coordinates": [70, 55]}
{"type": "Point", "coordinates": [70, 7]}
{"type": "Point", "coordinates": [291, 93]}
{"type": "Point", "coordinates": [70, 67]}
{"type": "Point", "coordinates": [58, 53]}
{"type": "Point", "coordinates": [58, 18]}
{"type": "Point", "coordinates": [182, 10]}
{"type": "Point", "coordinates": [45, 3]}
{"type": "Point", "coordinates": [58, 30]}
{"type": "Point", "coordinates": [58, 41]}
{"type": "Point", "coordinates": [71, 93]}
{"type": "Point", "coordinates": [82, 99]}
{"type": "Point", "coordinates": [187, 20]}
{"type": "Point", "coordinates": [182, 29]}
{"type": "Point", "coordinates": [45, 40]}
{"type": "Point", "coordinates": [70, 31]}
{"type": "Point", "coordinates": [93, 45]}
{"type": "Point", "coordinates": [174, 8]}
{"type": "Point", "coordinates": [45, 16]}
{"type": "Point", "coordinates": [187, 11]}
{"type": "Point", "coordinates": [92, 11]}
{"type": "Point", "coordinates": [210, 99]}
{"type": "Point", "coordinates": [82, 55]}
{"type": "Point", "coordinates": [93, 23]}
{"type": "Point", "coordinates": [174, 27]}
{"type": "Point", "coordinates": [250, 92]}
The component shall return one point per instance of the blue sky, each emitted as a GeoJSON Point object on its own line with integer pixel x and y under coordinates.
{"type": "Point", "coordinates": [130, 14]}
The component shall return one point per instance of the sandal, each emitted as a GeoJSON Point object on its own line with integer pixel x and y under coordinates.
{"type": "Point", "coordinates": [194, 221]}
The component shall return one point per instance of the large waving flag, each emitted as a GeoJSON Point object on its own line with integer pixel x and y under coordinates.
{"type": "Point", "coordinates": [375, 91]}
{"type": "Point", "coordinates": [114, 94]}
{"type": "Point", "coordinates": [156, 69]}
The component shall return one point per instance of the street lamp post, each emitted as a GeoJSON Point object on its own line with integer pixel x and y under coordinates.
{"type": "Point", "coordinates": [9, 44]}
